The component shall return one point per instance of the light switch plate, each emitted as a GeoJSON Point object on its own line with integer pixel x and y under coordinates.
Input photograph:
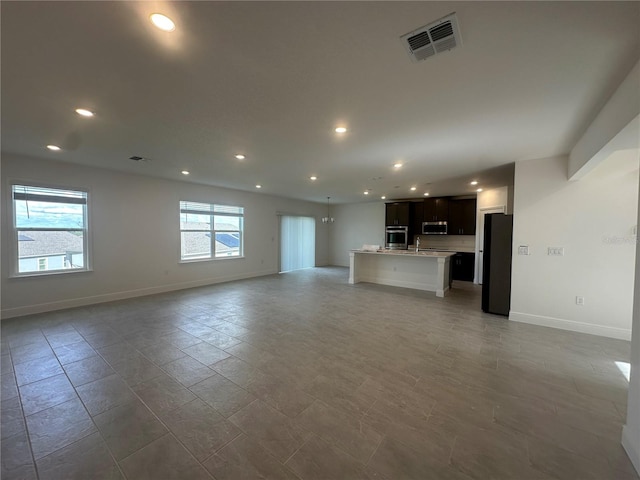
{"type": "Point", "coordinates": [555, 251]}
{"type": "Point", "coordinates": [523, 250]}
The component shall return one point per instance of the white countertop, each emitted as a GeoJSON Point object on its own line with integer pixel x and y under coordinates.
{"type": "Point", "coordinates": [408, 253]}
{"type": "Point", "coordinates": [447, 249]}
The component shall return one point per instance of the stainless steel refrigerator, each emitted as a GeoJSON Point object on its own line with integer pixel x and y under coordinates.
{"type": "Point", "coordinates": [496, 266]}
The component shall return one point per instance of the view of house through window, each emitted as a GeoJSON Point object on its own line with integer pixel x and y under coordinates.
{"type": "Point", "coordinates": [50, 229]}
{"type": "Point", "coordinates": [210, 231]}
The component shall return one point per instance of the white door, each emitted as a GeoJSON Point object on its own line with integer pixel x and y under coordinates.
{"type": "Point", "coordinates": [480, 231]}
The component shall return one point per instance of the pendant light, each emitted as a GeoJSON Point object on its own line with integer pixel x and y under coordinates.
{"type": "Point", "coordinates": [328, 218]}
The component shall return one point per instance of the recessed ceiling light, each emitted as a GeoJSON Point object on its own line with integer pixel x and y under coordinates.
{"type": "Point", "coordinates": [313, 177]}
{"type": "Point", "coordinates": [258, 186]}
{"type": "Point", "coordinates": [55, 148]}
{"type": "Point", "coordinates": [366, 192]}
{"type": "Point", "coordinates": [397, 165]}
{"type": "Point", "coordinates": [479, 190]}
{"type": "Point", "coordinates": [474, 182]}
{"type": "Point", "coordinates": [239, 156]}
{"type": "Point", "coordinates": [185, 172]}
{"type": "Point", "coordinates": [413, 189]}
{"type": "Point", "coordinates": [341, 129]}
{"type": "Point", "coordinates": [163, 22]}
{"type": "Point", "coordinates": [84, 112]}
{"type": "Point", "coordinates": [426, 194]}
{"type": "Point", "coordinates": [383, 197]}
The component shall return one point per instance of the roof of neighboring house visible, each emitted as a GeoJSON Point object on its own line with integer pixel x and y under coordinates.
{"type": "Point", "coordinates": [200, 242]}
{"type": "Point", "coordinates": [41, 244]}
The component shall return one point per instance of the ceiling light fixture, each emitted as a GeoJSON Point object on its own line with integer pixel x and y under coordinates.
{"type": "Point", "coordinates": [341, 129]}
{"type": "Point", "coordinates": [397, 165]}
{"type": "Point", "coordinates": [383, 197]}
{"type": "Point", "coordinates": [426, 194]}
{"type": "Point", "coordinates": [258, 186]}
{"type": "Point", "coordinates": [313, 178]}
{"type": "Point", "coordinates": [366, 192]}
{"type": "Point", "coordinates": [162, 22]}
{"type": "Point", "coordinates": [475, 182]}
{"type": "Point", "coordinates": [185, 172]}
{"type": "Point", "coordinates": [84, 112]}
{"type": "Point", "coordinates": [239, 156]}
{"type": "Point", "coordinates": [328, 218]}
{"type": "Point", "coordinates": [479, 190]}
{"type": "Point", "coordinates": [413, 189]}
{"type": "Point", "coordinates": [55, 148]}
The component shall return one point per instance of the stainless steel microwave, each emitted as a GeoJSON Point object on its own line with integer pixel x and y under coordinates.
{"type": "Point", "coordinates": [434, 228]}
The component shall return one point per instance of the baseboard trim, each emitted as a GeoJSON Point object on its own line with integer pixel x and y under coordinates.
{"type": "Point", "coordinates": [571, 325]}
{"type": "Point", "coordinates": [110, 297]}
{"type": "Point", "coordinates": [633, 450]}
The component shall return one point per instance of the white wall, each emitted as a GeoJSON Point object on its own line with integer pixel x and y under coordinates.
{"type": "Point", "coordinates": [593, 220]}
{"type": "Point", "coordinates": [615, 127]}
{"type": "Point", "coordinates": [631, 431]}
{"type": "Point", "coordinates": [356, 224]}
{"type": "Point", "coordinates": [135, 237]}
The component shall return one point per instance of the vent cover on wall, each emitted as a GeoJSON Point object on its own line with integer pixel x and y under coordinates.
{"type": "Point", "coordinates": [437, 37]}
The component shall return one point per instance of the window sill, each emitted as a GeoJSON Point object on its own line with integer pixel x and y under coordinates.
{"type": "Point", "coordinates": [49, 274]}
{"type": "Point", "coordinates": [216, 259]}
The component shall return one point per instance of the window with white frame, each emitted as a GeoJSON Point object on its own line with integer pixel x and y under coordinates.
{"type": "Point", "coordinates": [50, 229]}
{"type": "Point", "coordinates": [210, 231]}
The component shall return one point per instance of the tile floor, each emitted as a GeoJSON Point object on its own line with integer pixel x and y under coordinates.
{"type": "Point", "coordinates": [302, 376]}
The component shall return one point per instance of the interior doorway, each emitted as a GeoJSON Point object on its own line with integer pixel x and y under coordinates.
{"type": "Point", "coordinates": [480, 232]}
{"type": "Point", "coordinates": [297, 243]}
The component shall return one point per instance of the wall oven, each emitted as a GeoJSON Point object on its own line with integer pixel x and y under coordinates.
{"type": "Point", "coordinates": [434, 228]}
{"type": "Point", "coordinates": [396, 238]}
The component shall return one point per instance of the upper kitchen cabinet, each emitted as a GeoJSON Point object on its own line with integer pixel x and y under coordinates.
{"type": "Point", "coordinates": [436, 209]}
{"type": "Point", "coordinates": [416, 213]}
{"type": "Point", "coordinates": [397, 213]}
{"type": "Point", "coordinates": [462, 217]}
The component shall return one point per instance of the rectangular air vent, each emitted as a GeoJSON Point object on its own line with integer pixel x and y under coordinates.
{"type": "Point", "coordinates": [437, 37]}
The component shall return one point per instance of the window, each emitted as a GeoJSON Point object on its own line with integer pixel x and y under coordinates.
{"type": "Point", "coordinates": [210, 231]}
{"type": "Point", "coordinates": [50, 229]}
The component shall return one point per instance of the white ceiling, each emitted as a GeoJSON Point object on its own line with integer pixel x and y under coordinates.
{"type": "Point", "coordinates": [272, 81]}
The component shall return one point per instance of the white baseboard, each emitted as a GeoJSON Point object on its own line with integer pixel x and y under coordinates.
{"type": "Point", "coordinates": [572, 325]}
{"type": "Point", "coordinates": [632, 450]}
{"type": "Point", "coordinates": [110, 297]}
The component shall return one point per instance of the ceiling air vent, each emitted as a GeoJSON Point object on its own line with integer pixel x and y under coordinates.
{"type": "Point", "coordinates": [136, 158]}
{"type": "Point", "coordinates": [437, 37]}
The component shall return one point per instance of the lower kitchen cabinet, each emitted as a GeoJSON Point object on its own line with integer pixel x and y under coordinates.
{"type": "Point", "coordinates": [463, 266]}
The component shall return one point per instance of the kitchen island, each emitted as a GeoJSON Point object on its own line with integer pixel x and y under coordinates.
{"type": "Point", "coordinates": [424, 270]}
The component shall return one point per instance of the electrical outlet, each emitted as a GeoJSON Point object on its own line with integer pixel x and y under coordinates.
{"type": "Point", "coordinates": [523, 250]}
{"type": "Point", "coordinates": [555, 251]}
{"type": "Point", "coordinates": [579, 300]}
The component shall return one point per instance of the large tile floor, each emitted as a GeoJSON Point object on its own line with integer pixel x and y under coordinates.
{"type": "Point", "coordinates": [302, 376]}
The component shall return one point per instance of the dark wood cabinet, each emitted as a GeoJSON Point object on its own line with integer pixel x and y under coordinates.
{"type": "Point", "coordinates": [397, 213]}
{"type": "Point", "coordinates": [462, 217]}
{"type": "Point", "coordinates": [463, 266]}
{"type": "Point", "coordinates": [436, 209]}
{"type": "Point", "coordinates": [416, 214]}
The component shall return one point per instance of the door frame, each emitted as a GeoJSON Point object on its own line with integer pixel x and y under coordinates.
{"type": "Point", "coordinates": [477, 279]}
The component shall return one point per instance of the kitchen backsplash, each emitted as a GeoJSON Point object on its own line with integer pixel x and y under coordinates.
{"type": "Point", "coordinates": [452, 242]}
